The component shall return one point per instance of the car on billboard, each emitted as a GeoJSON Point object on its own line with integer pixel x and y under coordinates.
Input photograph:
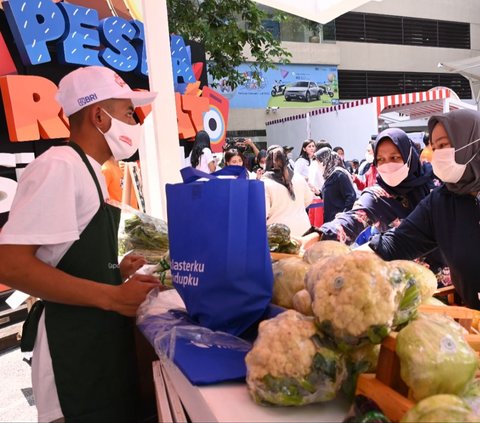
{"type": "Point", "coordinates": [303, 91]}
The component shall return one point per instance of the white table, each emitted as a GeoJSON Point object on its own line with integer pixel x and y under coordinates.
{"type": "Point", "coordinates": [227, 402]}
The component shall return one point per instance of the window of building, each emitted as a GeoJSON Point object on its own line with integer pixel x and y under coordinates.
{"type": "Point", "coordinates": [383, 29]}
{"type": "Point", "coordinates": [354, 85]}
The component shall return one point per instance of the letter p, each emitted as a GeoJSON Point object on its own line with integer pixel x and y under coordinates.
{"type": "Point", "coordinates": [33, 23]}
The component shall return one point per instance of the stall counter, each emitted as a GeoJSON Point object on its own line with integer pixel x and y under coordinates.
{"type": "Point", "coordinates": [228, 402]}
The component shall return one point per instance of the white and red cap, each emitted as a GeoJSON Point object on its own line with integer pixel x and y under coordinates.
{"type": "Point", "coordinates": [91, 84]}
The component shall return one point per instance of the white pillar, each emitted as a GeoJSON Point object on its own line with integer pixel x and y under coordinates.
{"type": "Point", "coordinates": [159, 153]}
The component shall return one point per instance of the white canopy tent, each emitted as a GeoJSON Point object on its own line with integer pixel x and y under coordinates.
{"type": "Point", "coordinates": [322, 11]}
{"type": "Point", "coordinates": [470, 69]}
{"type": "Point", "coordinates": [162, 161]}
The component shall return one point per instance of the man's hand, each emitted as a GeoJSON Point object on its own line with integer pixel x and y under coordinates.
{"type": "Point", "coordinates": [128, 296]}
{"type": "Point", "coordinates": [130, 264]}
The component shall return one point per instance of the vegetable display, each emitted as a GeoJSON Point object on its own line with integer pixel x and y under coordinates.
{"type": "Point", "coordinates": [434, 356]}
{"type": "Point", "coordinates": [288, 365]}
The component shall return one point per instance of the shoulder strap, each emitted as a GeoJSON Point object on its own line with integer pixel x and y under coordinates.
{"type": "Point", "coordinates": [85, 160]}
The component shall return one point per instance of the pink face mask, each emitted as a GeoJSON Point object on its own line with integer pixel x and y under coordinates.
{"type": "Point", "coordinates": [394, 173]}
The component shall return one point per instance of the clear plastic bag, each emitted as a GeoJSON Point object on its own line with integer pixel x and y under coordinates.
{"type": "Point", "coordinates": [142, 233]}
{"type": "Point", "coordinates": [164, 321]}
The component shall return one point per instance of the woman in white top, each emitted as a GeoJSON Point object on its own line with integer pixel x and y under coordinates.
{"type": "Point", "coordinates": [302, 165]}
{"type": "Point", "coordinates": [286, 196]}
{"type": "Point", "coordinates": [201, 157]}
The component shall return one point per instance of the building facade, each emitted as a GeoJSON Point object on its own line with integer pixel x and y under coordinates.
{"type": "Point", "coordinates": [382, 48]}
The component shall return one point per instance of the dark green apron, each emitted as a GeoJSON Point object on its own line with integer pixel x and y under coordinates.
{"type": "Point", "coordinates": [92, 350]}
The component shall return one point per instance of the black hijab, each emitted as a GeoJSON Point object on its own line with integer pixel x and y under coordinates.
{"type": "Point", "coordinates": [463, 127]}
{"type": "Point", "coordinates": [418, 183]}
{"type": "Point", "coordinates": [277, 170]}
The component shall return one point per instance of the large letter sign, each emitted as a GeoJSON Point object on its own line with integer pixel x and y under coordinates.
{"type": "Point", "coordinates": [81, 33]}
{"type": "Point", "coordinates": [119, 34]}
{"type": "Point", "coordinates": [33, 23]}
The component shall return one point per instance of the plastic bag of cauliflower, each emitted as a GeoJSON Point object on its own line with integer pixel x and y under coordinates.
{"type": "Point", "coordinates": [288, 276]}
{"type": "Point", "coordinates": [434, 356]}
{"type": "Point", "coordinates": [289, 366]}
{"type": "Point", "coordinates": [353, 300]}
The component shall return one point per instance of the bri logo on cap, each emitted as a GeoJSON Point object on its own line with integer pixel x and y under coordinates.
{"type": "Point", "coordinates": [87, 99]}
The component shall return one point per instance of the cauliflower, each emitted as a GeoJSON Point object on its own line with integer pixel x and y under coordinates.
{"type": "Point", "coordinates": [324, 249]}
{"type": "Point", "coordinates": [434, 356]}
{"type": "Point", "coordinates": [440, 408]}
{"type": "Point", "coordinates": [352, 298]}
{"type": "Point", "coordinates": [288, 276]}
{"type": "Point", "coordinates": [302, 302]}
{"type": "Point", "coordinates": [288, 365]}
{"type": "Point", "coordinates": [423, 276]}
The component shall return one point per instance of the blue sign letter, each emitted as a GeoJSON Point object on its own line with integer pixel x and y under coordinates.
{"type": "Point", "coordinates": [33, 23]}
{"type": "Point", "coordinates": [116, 34]}
{"type": "Point", "coordinates": [82, 33]}
{"type": "Point", "coordinates": [181, 63]}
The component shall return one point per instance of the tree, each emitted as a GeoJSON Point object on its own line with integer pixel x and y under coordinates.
{"type": "Point", "coordinates": [217, 25]}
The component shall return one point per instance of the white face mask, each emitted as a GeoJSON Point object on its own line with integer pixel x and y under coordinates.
{"type": "Point", "coordinates": [394, 173]}
{"type": "Point", "coordinates": [445, 166]}
{"type": "Point", "coordinates": [122, 138]}
{"type": "Point", "coordinates": [369, 157]}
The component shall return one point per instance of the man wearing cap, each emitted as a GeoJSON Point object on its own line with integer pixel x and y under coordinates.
{"type": "Point", "coordinates": [60, 244]}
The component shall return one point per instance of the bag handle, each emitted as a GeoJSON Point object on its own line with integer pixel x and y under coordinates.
{"type": "Point", "coordinates": [190, 174]}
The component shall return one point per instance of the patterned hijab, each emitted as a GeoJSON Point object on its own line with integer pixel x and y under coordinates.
{"type": "Point", "coordinates": [463, 127]}
{"type": "Point", "coordinates": [331, 162]}
{"type": "Point", "coordinates": [419, 180]}
{"type": "Point", "coordinates": [277, 170]}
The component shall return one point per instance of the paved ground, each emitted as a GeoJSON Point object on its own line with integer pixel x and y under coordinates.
{"type": "Point", "coordinates": [16, 399]}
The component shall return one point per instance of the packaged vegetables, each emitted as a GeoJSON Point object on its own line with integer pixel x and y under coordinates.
{"type": "Point", "coordinates": [288, 275]}
{"type": "Point", "coordinates": [353, 299]}
{"type": "Point", "coordinates": [441, 408]}
{"type": "Point", "coordinates": [288, 365]}
{"type": "Point", "coordinates": [279, 239]}
{"type": "Point", "coordinates": [434, 356]}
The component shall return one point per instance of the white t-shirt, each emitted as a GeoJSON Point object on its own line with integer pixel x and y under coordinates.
{"type": "Point", "coordinates": [302, 167]}
{"type": "Point", "coordinates": [282, 209]}
{"type": "Point", "coordinates": [206, 158]}
{"type": "Point", "coordinates": [56, 198]}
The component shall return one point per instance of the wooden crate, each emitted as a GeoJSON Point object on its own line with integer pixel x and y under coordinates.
{"type": "Point", "coordinates": [279, 256]}
{"type": "Point", "coordinates": [386, 387]}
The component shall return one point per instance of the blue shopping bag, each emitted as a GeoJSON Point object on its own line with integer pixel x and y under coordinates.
{"type": "Point", "coordinates": [220, 260]}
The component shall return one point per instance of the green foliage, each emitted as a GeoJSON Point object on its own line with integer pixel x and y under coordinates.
{"type": "Point", "coordinates": [216, 25]}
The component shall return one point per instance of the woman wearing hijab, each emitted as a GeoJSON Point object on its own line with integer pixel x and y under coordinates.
{"type": "Point", "coordinates": [402, 182]}
{"type": "Point", "coordinates": [201, 157]}
{"type": "Point", "coordinates": [449, 218]}
{"type": "Point", "coordinates": [337, 191]}
{"type": "Point", "coordinates": [286, 194]}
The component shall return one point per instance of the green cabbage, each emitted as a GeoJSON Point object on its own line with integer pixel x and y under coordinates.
{"type": "Point", "coordinates": [440, 408]}
{"type": "Point", "coordinates": [434, 356]}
